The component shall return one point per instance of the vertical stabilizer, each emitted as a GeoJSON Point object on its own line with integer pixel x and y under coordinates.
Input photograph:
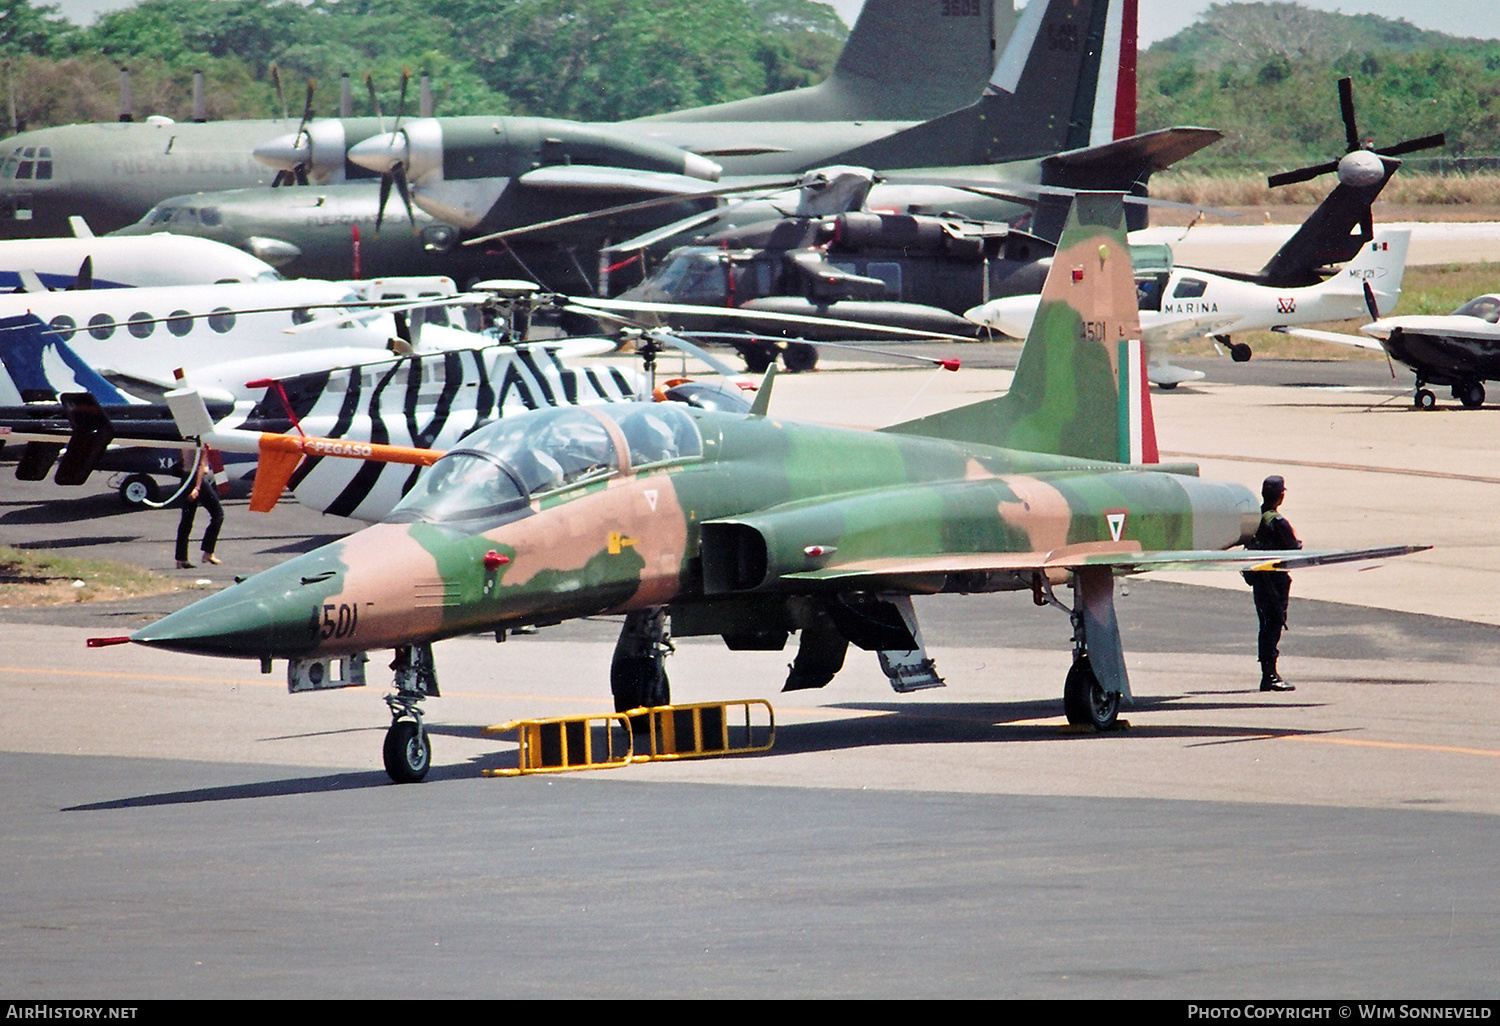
{"type": "Point", "coordinates": [904, 60]}
{"type": "Point", "coordinates": [1056, 87]}
{"type": "Point", "coordinates": [1380, 264]}
{"type": "Point", "coordinates": [39, 366]}
{"type": "Point", "coordinates": [1080, 385]}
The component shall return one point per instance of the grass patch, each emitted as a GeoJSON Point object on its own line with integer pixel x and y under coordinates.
{"type": "Point", "coordinates": [1241, 190]}
{"type": "Point", "coordinates": [39, 578]}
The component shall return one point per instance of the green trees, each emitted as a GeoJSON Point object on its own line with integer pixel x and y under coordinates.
{"type": "Point", "coordinates": [585, 59]}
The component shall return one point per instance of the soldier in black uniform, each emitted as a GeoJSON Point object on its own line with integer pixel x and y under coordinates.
{"type": "Point", "coordinates": [1272, 588]}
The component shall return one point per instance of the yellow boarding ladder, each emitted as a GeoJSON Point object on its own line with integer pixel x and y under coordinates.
{"type": "Point", "coordinates": [565, 743]}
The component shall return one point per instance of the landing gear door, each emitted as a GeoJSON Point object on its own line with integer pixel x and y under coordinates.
{"type": "Point", "coordinates": [326, 674]}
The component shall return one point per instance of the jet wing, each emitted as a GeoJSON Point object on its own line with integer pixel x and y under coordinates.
{"type": "Point", "coordinates": [929, 572]}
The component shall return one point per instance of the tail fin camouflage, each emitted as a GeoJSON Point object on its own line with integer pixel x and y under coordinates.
{"type": "Point", "coordinates": [1080, 386]}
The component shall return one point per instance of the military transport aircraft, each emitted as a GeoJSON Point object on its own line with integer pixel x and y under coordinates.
{"type": "Point", "coordinates": [1460, 350]}
{"type": "Point", "coordinates": [114, 173]}
{"type": "Point", "coordinates": [751, 527]}
{"type": "Point", "coordinates": [547, 222]}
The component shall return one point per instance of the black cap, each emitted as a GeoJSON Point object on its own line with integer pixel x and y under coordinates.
{"type": "Point", "coordinates": [1275, 485]}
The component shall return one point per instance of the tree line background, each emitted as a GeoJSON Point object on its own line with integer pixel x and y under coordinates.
{"type": "Point", "coordinates": [1264, 73]}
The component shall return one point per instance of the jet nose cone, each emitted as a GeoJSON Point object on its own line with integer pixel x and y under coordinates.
{"type": "Point", "coordinates": [275, 613]}
{"type": "Point", "coordinates": [285, 152]}
{"type": "Point", "coordinates": [379, 153]}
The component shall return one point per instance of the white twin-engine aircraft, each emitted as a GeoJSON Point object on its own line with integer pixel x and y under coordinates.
{"type": "Point", "coordinates": [1183, 303]}
{"type": "Point", "coordinates": [222, 335]}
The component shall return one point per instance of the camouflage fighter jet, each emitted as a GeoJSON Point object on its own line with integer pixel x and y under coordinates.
{"type": "Point", "coordinates": [751, 527]}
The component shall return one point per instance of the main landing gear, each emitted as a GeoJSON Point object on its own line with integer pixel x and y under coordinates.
{"type": "Point", "coordinates": [637, 674]}
{"type": "Point", "coordinates": [1469, 393]}
{"type": "Point", "coordinates": [1097, 680]}
{"type": "Point", "coordinates": [1239, 352]}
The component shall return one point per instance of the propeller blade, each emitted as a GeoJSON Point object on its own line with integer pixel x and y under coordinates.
{"type": "Point", "coordinates": [280, 96]}
{"type": "Point", "coordinates": [399, 174]}
{"type": "Point", "coordinates": [401, 103]}
{"type": "Point", "coordinates": [374, 101]}
{"type": "Point", "coordinates": [385, 194]}
{"type": "Point", "coordinates": [1426, 142]}
{"type": "Point", "coordinates": [1305, 174]}
{"type": "Point", "coordinates": [1373, 306]}
{"type": "Point", "coordinates": [1346, 107]}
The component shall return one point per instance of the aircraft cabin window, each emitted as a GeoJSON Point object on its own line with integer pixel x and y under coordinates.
{"type": "Point", "coordinates": [63, 327]}
{"type": "Point", "coordinates": [101, 326]}
{"type": "Point", "coordinates": [301, 315]}
{"type": "Point", "coordinates": [141, 324]}
{"type": "Point", "coordinates": [1190, 288]}
{"type": "Point", "coordinates": [180, 323]}
{"type": "Point", "coordinates": [221, 320]}
{"type": "Point", "coordinates": [44, 163]}
{"type": "Point", "coordinates": [210, 217]}
{"type": "Point", "coordinates": [161, 215]}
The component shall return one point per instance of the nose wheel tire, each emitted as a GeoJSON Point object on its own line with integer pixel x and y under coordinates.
{"type": "Point", "coordinates": [408, 753]}
{"type": "Point", "coordinates": [1424, 399]}
{"type": "Point", "coordinates": [1086, 702]}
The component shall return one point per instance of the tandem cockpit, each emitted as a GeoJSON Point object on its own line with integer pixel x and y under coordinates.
{"type": "Point", "coordinates": [500, 469]}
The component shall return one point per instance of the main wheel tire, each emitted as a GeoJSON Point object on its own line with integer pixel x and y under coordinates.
{"type": "Point", "coordinates": [757, 355]}
{"type": "Point", "coordinates": [1240, 352]}
{"type": "Point", "coordinates": [1471, 394]}
{"type": "Point", "coordinates": [639, 682]}
{"type": "Point", "coordinates": [408, 752]}
{"type": "Point", "coordinates": [1086, 702]}
{"type": "Point", "coordinates": [799, 357]}
{"type": "Point", "coordinates": [1166, 386]}
{"type": "Point", "coordinates": [137, 490]}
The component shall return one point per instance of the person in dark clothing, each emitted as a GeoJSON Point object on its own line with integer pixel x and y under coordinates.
{"type": "Point", "coordinates": [206, 494]}
{"type": "Point", "coordinates": [1272, 588]}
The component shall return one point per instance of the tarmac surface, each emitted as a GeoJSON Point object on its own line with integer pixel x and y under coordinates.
{"type": "Point", "coordinates": [181, 827]}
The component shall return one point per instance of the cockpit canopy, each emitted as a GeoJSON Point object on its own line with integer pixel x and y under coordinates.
{"type": "Point", "coordinates": [503, 466]}
{"type": "Point", "coordinates": [1486, 308]}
